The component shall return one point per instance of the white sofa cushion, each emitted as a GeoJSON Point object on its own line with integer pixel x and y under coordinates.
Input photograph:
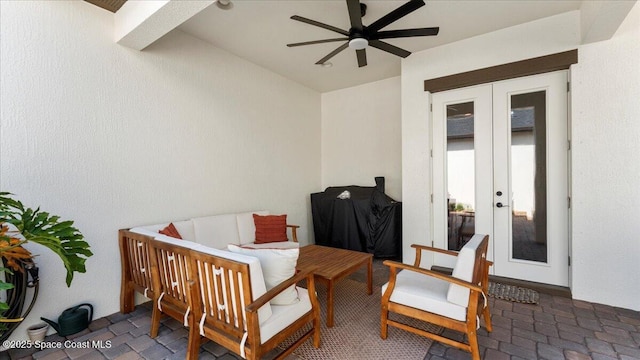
{"type": "Point", "coordinates": [285, 315]}
{"type": "Point", "coordinates": [246, 226]}
{"type": "Point", "coordinates": [274, 245]}
{"type": "Point", "coordinates": [258, 286]}
{"type": "Point", "coordinates": [185, 228]}
{"type": "Point", "coordinates": [426, 293]}
{"type": "Point", "coordinates": [216, 231]}
{"type": "Point", "coordinates": [463, 270]}
{"type": "Point", "coordinates": [177, 242]}
{"type": "Point", "coordinates": [277, 266]}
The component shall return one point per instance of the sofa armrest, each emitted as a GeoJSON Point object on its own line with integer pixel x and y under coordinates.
{"type": "Point", "coordinates": [269, 295]}
{"type": "Point", "coordinates": [294, 234]}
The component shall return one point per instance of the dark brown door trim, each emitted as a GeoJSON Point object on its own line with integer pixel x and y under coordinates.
{"type": "Point", "coordinates": [539, 65]}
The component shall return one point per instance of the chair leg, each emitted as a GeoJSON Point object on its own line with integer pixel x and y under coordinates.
{"type": "Point", "coordinates": [155, 321]}
{"type": "Point", "coordinates": [473, 343]}
{"type": "Point", "coordinates": [316, 332]}
{"type": "Point", "coordinates": [127, 297]}
{"type": "Point", "coordinates": [193, 345]}
{"type": "Point", "coordinates": [384, 327]}
{"type": "Point", "coordinates": [487, 318]}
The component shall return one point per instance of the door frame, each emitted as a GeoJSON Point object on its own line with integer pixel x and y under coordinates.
{"type": "Point", "coordinates": [439, 171]}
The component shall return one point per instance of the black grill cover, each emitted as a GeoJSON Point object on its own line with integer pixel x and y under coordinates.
{"type": "Point", "coordinates": [370, 221]}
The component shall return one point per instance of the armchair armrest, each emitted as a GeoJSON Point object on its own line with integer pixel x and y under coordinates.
{"type": "Point", "coordinates": [419, 249]}
{"type": "Point", "coordinates": [294, 234]}
{"type": "Point", "coordinates": [448, 278]}
{"type": "Point", "coordinates": [266, 297]}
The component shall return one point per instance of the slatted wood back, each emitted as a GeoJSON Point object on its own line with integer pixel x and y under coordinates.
{"type": "Point", "coordinates": [173, 276]}
{"type": "Point", "coordinates": [224, 291]}
{"type": "Point", "coordinates": [136, 268]}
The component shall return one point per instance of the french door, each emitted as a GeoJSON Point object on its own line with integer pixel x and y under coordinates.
{"type": "Point", "coordinates": [500, 167]}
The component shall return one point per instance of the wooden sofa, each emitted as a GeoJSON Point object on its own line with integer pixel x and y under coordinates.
{"type": "Point", "coordinates": [217, 294]}
{"type": "Point", "coordinates": [215, 231]}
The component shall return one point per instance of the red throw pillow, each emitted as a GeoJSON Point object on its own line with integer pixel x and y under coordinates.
{"type": "Point", "coordinates": [170, 230]}
{"type": "Point", "coordinates": [270, 228]}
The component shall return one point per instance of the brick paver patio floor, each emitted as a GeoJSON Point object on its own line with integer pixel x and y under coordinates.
{"type": "Point", "coordinates": [556, 328]}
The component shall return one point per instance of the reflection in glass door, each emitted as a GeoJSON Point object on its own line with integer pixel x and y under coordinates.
{"type": "Point", "coordinates": [528, 177]}
{"type": "Point", "coordinates": [460, 174]}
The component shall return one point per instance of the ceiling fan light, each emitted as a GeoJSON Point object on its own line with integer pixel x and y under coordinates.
{"type": "Point", "coordinates": [358, 43]}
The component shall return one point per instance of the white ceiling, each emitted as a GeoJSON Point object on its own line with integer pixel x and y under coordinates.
{"type": "Point", "coordinates": [258, 31]}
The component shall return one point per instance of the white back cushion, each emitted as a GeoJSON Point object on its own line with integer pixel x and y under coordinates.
{"type": "Point", "coordinates": [185, 228]}
{"type": "Point", "coordinates": [277, 266]}
{"type": "Point", "coordinates": [246, 226]}
{"type": "Point", "coordinates": [216, 231]}
{"type": "Point", "coordinates": [464, 271]}
{"type": "Point", "coordinates": [258, 287]}
{"type": "Point", "coordinates": [273, 245]}
{"type": "Point", "coordinates": [178, 242]}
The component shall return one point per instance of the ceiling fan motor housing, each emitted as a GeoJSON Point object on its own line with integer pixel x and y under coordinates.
{"type": "Point", "coordinates": [359, 37]}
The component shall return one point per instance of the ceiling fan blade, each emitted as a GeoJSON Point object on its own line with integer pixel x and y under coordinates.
{"type": "Point", "coordinates": [319, 24]}
{"type": "Point", "coordinates": [362, 57]}
{"type": "Point", "coordinates": [332, 54]}
{"type": "Point", "coordinates": [317, 42]}
{"type": "Point", "coordinates": [354, 14]}
{"type": "Point", "coordinates": [396, 14]}
{"type": "Point", "coordinates": [390, 34]}
{"type": "Point", "coordinates": [389, 48]}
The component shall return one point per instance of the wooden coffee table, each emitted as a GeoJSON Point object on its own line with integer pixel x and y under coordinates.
{"type": "Point", "coordinates": [330, 265]}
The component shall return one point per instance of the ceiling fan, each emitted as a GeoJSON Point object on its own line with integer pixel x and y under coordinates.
{"type": "Point", "coordinates": [359, 36]}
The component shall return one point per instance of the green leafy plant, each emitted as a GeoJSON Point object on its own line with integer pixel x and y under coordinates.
{"type": "Point", "coordinates": [19, 225]}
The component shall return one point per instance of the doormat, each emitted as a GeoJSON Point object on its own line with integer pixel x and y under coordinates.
{"type": "Point", "coordinates": [513, 293]}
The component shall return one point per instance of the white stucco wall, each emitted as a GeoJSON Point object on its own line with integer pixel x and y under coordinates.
{"type": "Point", "coordinates": [605, 126]}
{"type": "Point", "coordinates": [546, 36]}
{"type": "Point", "coordinates": [361, 136]}
{"type": "Point", "coordinates": [606, 168]}
{"type": "Point", "coordinates": [112, 138]}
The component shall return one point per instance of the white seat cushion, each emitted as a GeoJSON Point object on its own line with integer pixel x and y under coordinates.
{"type": "Point", "coordinates": [425, 293]}
{"type": "Point", "coordinates": [463, 270]}
{"type": "Point", "coordinates": [285, 315]}
{"type": "Point", "coordinates": [216, 231]}
{"type": "Point", "coordinates": [246, 226]}
{"type": "Point", "coordinates": [258, 287]}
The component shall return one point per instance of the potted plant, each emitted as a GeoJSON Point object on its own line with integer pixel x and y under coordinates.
{"type": "Point", "coordinates": [19, 225]}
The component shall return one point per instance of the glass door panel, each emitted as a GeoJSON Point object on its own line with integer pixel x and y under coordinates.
{"type": "Point", "coordinates": [460, 174]}
{"type": "Point", "coordinates": [528, 177]}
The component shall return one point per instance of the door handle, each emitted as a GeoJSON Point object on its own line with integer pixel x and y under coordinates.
{"type": "Point", "coordinates": [500, 205]}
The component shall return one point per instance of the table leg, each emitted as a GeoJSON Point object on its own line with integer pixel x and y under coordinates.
{"type": "Point", "coordinates": [330, 304]}
{"type": "Point", "coordinates": [370, 276]}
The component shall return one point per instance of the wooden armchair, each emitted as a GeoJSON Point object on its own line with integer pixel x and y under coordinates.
{"type": "Point", "coordinates": [171, 277]}
{"type": "Point", "coordinates": [229, 314]}
{"type": "Point", "coordinates": [452, 301]}
{"type": "Point", "coordinates": [136, 268]}
{"type": "Point", "coordinates": [221, 296]}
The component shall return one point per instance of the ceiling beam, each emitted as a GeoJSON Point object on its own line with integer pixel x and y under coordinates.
{"type": "Point", "coordinates": [140, 23]}
{"type": "Point", "coordinates": [599, 20]}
